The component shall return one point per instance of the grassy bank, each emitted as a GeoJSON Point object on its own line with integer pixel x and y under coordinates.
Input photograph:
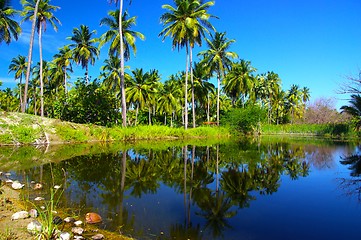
{"type": "Point", "coordinates": [325, 130]}
{"type": "Point", "coordinates": [20, 129]}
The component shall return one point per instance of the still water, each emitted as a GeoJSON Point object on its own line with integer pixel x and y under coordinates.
{"type": "Point", "coordinates": [269, 188]}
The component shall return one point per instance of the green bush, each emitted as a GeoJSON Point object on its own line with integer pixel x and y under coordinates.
{"type": "Point", "coordinates": [245, 120]}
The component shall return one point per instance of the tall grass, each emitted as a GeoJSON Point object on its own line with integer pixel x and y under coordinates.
{"type": "Point", "coordinates": [325, 130]}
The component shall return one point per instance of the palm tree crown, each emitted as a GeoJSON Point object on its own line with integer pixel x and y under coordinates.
{"type": "Point", "coordinates": [112, 35]}
{"type": "Point", "coordinates": [9, 28]}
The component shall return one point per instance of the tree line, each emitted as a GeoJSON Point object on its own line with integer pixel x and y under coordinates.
{"type": "Point", "coordinates": [138, 96]}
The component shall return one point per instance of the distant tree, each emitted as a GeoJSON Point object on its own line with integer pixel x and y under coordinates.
{"type": "Point", "coordinates": [323, 111]}
{"type": "Point", "coordinates": [18, 65]}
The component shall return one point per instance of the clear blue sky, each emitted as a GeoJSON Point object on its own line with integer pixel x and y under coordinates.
{"type": "Point", "coordinates": [314, 44]}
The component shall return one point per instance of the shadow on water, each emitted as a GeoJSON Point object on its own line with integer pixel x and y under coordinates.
{"type": "Point", "coordinates": [173, 190]}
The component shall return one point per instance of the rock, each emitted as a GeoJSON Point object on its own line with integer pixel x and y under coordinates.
{"type": "Point", "coordinates": [92, 218]}
{"type": "Point", "coordinates": [33, 213]}
{"type": "Point", "coordinates": [8, 174]}
{"type": "Point", "coordinates": [78, 223]}
{"type": "Point", "coordinates": [38, 186]}
{"type": "Point", "coordinates": [17, 185]}
{"type": "Point", "coordinates": [57, 220]}
{"type": "Point", "coordinates": [77, 230]}
{"type": "Point", "coordinates": [42, 207]}
{"type": "Point", "coordinates": [34, 227]}
{"type": "Point", "coordinates": [20, 215]}
{"type": "Point", "coordinates": [64, 236]}
{"type": "Point", "coordinates": [57, 187]}
{"type": "Point", "coordinates": [39, 199]}
{"type": "Point", "coordinates": [69, 219]}
{"type": "Point", "coordinates": [79, 237]}
{"type": "Point", "coordinates": [98, 236]}
{"type": "Point", "coordinates": [9, 181]}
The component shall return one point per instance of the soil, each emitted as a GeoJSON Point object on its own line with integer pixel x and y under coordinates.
{"type": "Point", "coordinates": [10, 204]}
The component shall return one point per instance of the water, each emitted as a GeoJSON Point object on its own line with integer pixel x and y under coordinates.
{"type": "Point", "coordinates": [267, 189]}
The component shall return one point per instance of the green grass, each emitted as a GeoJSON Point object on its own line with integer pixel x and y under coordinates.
{"type": "Point", "coordinates": [325, 130]}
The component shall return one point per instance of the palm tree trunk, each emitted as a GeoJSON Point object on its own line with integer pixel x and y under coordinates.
{"type": "Point", "coordinates": [122, 70]}
{"type": "Point", "coordinates": [218, 93]}
{"type": "Point", "coordinates": [41, 73]}
{"type": "Point", "coordinates": [65, 89]}
{"type": "Point", "coordinates": [149, 116]}
{"type": "Point", "coordinates": [186, 93]}
{"type": "Point", "coordinates": [20, 94]}
{"type": "Point", "coordinates": [208, 107]}
{"type": "Point", "coordinates": [191, 70]}
{"type": "Point", "coordinates": [136, 114]}
{"type": "Point", "coordinates": [86, 74]}
{"type": "Point", "coordinates": [23, 107]}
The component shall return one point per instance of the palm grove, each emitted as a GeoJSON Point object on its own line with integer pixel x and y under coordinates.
{"type": "Point", "coordinates": [137, 96]}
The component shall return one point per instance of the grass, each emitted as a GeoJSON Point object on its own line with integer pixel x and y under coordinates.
{"type": "Point", "coordinates": [325, 130]}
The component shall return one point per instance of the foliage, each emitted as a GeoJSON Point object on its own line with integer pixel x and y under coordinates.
{"type": "Point", "coordinates": [245, 120]}
{"type": "Point", "coordinates": [328, 130]}
{"type": "Point", "coordinates": [90, 104]}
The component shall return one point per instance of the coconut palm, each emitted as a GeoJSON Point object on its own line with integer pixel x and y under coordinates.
{"type": "Point", "coordinates": [44, 15]}
{"type": "Point", "coordinates": [18, 65]}
{"type": "Point", "coordinates": [354, 109]}
{"type": "Point", "coordinates": [84, 51]}
{"type": "Point", "coordinates": [63, 61]}
{"type": "Point", "coordinates": [112, 35]}
{"type": "Point", "coordinates": [218, 58]}
{"type": "Point", "coordinates": [122, 68]}
{"type": "Point", "coordinates": [9, 28]}
{"type": "Point", "coordinates": [30, 54]}
{"type": "Point", "coordinates": [239, 80]}
{"type": "Point", "coordinates": [186, 24]}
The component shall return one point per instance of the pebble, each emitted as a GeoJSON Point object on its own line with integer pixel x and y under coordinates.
{"type": "Point", "coordinates": [57, 187]}
{"type": "Point", "coordinates": [78, 223]}
{"type": "Point", "coordinates": [69, 219]}
{"type": "Point", "coordinates": [17, 185]}
{"type": "Point", "coordinates": [79, 237]}
{"type": "Point", "coordinates": [9, 181]}
{"type": "Point", "coordinates": [20, 215]}
{"type": "Point", "coordinates": [57, 220]}
{"type": "Point", "coordinates": [33, 213]}
{"type": "Point", "coordinates": [98, 236]}
{"type": "Point", "coordinates": [38, 186]}
{"type": "Point", "coordinates": [77, 230]}
{"type": "Point", "coordinates": [34, 227]}
{"type": "Point", "coordinates": [64, 236]}
{"type": "Point", "coordinates": [39, 199]}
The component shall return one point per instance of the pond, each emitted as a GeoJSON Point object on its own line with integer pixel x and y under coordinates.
{"type": "Point", "coordinates": [269, 188]}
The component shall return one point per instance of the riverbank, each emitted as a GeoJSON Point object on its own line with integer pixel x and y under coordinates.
{"type": "Point", "coordinates": [23, 129]}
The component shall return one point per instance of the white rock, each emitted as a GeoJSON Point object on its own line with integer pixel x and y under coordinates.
{"type": "Point", "coordinates": [69, 219]}
{"type": "Point", "coordinates": [34, 227]}
{"type": "Point", "coordinates": [79, 237]}
{"type": "Point", "coordinates": [39, 199]}
{"type": "Point", "coordinates": [20, 215]}
{"type": "Point", "coordinates": [42, 207]}
{"type": "Point", "coordinates": [33, 213]}
{"type": "Point", "coordinates": [57, 187]}
{"type": "Point", "coordinates": [17, 185]}
{"type": "Point", "coordinates": [8, 174]}
{"type": "Point", "coordinates": [78, 223]}
{"type": "Point", "coordinates": [9, 181]}
{"type": "Point", "coordinates": [64, 236]}
{"type": "Point", "coordinates": [98, 236]}
{"type": "Point", "coordinates": [77, 230]}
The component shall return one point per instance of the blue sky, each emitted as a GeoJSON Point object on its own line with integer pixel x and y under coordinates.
{"type": "Point", "coordinates": [314, 44]}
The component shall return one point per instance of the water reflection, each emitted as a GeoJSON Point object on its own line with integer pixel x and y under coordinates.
{"type": "Point", "coordinates": [181, 191]}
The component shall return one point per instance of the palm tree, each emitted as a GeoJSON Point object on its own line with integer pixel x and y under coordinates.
{"type": "Point", "coordinates": [84, 51]}
{"type": "Point", "coordinates": [218, 58]}
{"type": "Point", "coordinates": [354, 109]}
{"type": "Point", "coordinates": [168, 99]}
{"type": "Point", "coordinates": [112, 35]}
{"type": "Point", "coordinates": [44, 15]}
{"type": "Point", "coordinates": [9, 28]}
{"type": "Point", "coordinates": [239, 80]}
{"type": "Point", "coordinates": [63, 61]}
{"type": "Point", "coordinates": [18, 65]}
{"type": "Point", "coordinates": [293, 100]}
{"type": "Point", "coordinates": [122, 68]}
{"type": "Point", "coordinates": [186, 24]}
{"type": "Point", "coordinates": [30, 54]}
{"type": "Point", "coordinates": [138, 90]}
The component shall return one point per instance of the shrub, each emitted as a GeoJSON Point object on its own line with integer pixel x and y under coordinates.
{"type": "Point", "coordinates": [245, 120]}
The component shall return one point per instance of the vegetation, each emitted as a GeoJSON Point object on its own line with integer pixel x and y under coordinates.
{"type": "Point", "coordinates": [136, 97]}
